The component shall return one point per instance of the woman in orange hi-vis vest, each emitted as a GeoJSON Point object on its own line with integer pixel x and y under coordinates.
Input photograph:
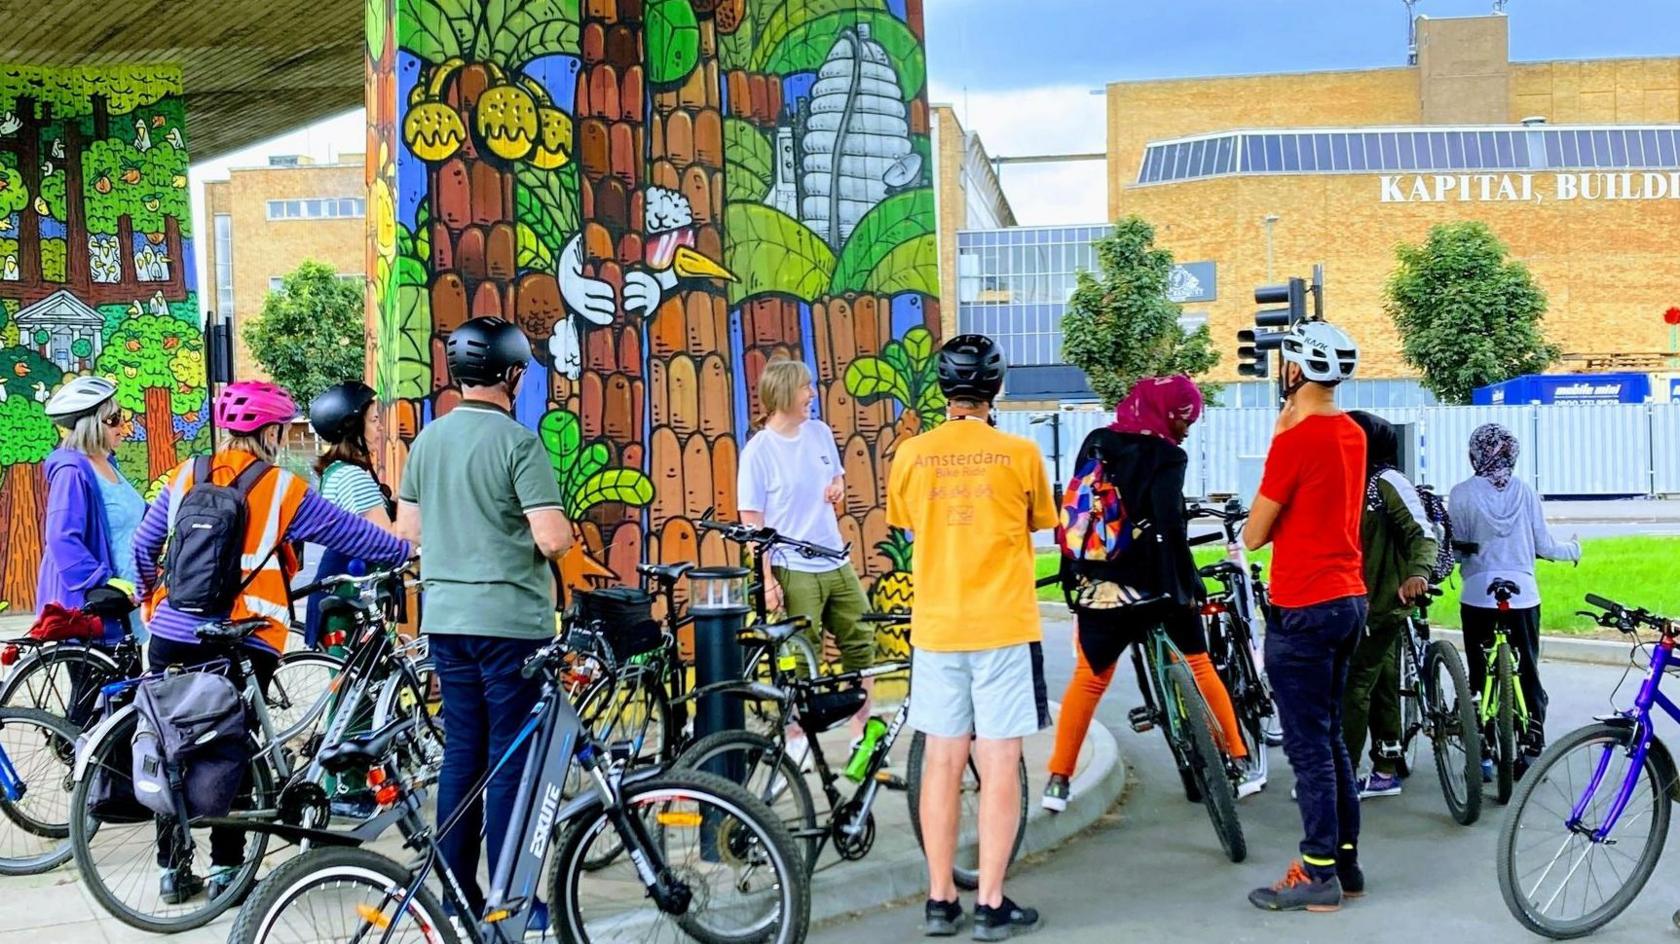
{"type": "Point", "coordinates": [280, 509]}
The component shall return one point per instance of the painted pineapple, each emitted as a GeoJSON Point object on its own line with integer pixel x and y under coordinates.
{"type": "Point", "coordinates": [894, 591]}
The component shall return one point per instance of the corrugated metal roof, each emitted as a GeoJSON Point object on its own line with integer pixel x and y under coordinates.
{"type": "Point", "coordinates": [252, 68]}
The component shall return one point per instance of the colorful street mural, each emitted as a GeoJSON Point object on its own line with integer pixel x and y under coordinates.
{"type": "Point", "coordinates": [665, 195]}
{"type": "Point", "coordinates": [95, 277]}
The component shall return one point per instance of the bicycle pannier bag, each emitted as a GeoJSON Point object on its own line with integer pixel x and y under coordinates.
{"type": "Point", "coordinates": [824, 710]}
{"type": "Point", "coordinates": [625, 617]}
{"type": "Point", "coordinates": [190, 746]}
{"type": "Point", "coordinates": [111, 790]}
{"type": "Point", "coordinates": [207, 541]}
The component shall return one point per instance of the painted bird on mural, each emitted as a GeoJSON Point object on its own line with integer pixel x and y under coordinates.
{"type": "Point", "coordinates": [669, 256]}
{"type": "Point", "coordinates": [142, 136]}
{"type": "Point", "coordinates": [9, 124]}
{"type": "Point", "coordinates": [58, 148]}
{"type": "Point", "coordinates": [174, 139]}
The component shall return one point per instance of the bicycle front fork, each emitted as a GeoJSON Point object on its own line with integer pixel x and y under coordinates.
{"type": "Point", "coordinates": [671, 894]}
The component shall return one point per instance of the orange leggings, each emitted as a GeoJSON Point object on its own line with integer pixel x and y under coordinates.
{"type": "Point", "coordinates": [1085, 689]}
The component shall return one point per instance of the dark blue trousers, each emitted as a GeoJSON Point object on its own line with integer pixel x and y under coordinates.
{"type": "Point", "coordinates": [1307, 658]}
{"type": "Point", "coordinates": [485, 704]}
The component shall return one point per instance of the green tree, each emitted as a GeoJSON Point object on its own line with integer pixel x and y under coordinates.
{"type": "Point", "coordinates": [1467, 313]}
{"type": "Point", "coordinates": [26, 437]}
{"type": "Point", "coordinates": [26, 373]}
{"type": "Point", "coordinates": [158, 364]}
{"type": "Point", "coordinates": [310, 334]}
{"type": "Point", "coordinates": [1120, 325]}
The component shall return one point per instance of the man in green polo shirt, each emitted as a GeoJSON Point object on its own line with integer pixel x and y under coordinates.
{"type": "Point", "coordinates": [479, 497]}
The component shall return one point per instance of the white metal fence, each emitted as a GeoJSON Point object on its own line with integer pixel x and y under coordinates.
{"type": "Point", "coordinates": [1575, 450]}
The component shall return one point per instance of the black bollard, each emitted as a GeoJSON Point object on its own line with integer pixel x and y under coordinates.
{"type": "Point", "coordinates": [718, 602]}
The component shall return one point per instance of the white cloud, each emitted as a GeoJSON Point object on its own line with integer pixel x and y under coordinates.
{"type": "Point", "coordinates": [1049, 119]}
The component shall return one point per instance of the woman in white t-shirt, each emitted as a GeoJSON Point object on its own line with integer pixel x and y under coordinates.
{"type": "Point", "coordinates": [790, 479]}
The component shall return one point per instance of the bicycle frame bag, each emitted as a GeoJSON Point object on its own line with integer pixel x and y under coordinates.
{"type": "Point", "coordinates": [111, 792]}
{"type": "Point", "coordinates": [190, 746]}
{"type": "Point", "coordinates": [824, 710]}
{"type": "Point", "coordinates": [206, 545]}
{"type": "Point", "coordinates": [624, 616]}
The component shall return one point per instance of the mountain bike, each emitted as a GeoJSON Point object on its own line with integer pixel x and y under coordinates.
{"type": "Point", "coordinates": [1435, 700]}
{"type": "Point", "coordinates": [759, 761]}
{"type": "Point", "coordinates": [1590, 819]}
{"type": "Point", "coordinates": [706, 861]}
{"type": "Point", "coordinates": [1504, 711]}
{"type": "Point", "coordinates": [115, 853]}
{"type": "Point", "coordinates": [37, 756]}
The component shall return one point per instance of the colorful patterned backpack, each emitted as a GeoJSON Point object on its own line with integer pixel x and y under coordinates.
{"type": "Point", "coordinates": [1094, 525]}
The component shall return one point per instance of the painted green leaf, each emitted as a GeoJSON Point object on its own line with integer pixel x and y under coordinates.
{"type": "Point", "coordinates": [673, 40]}
{"type": "Point", "coordinates": [911, 266]}
{"type": "Point", "coordinates": [531, 253]}
{"type": "Point", "coordinates": [784, 19]}
{"type": "Point", "coordinates": [522, 30]}
{"type": "Point", "coordinates": [436, 30]}
{"type": "Point", "coordinates": [930, 406]}
{"type": "Point", "coordinates": [871, 378]}
{"type": "Point", "coordinates": [895, 354]}
{"type": "Point", "coordinates": [918, 344]}
{"type": "Point", "coordinates": [893, 221]}
{"type": "Point", "coordinates": [562, 436]}
{"type": "Point", "coordinates": [627, 486]}
{"type": "Point", "coordinates": [411, 271]}
{"type": "Point", "coordinates": [749, 162]}
{"type": "Point", "coordinates": [807, 44]}
{"type": "Point", "coordinates": [772, 252]}
{"type": "Point", "coordinates": [735, 49]}
{"type": "Point", "coordinates": [547, 202]}
{"type": "Point", "coordinates": [403, 367]}
{"type": "Point", "coordinates": [376, 25]}
{"type": "Point", "coordinates": [591, 460]}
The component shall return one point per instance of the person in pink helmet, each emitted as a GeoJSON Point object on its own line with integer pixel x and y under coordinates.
{"type": "Point", "coordinates": [281, 508]}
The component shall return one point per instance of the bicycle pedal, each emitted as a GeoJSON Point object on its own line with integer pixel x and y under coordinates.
{"type": "Point", "coordinates": [1142, 719]}
{"type": "Point", "coordinates": [891, 781]}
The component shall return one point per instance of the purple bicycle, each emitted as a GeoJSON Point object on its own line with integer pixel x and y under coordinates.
{"type": "Point", "coordinates": [1591, 817]}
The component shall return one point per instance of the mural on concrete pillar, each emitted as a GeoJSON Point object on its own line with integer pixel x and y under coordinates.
{"type": "Point", "coordinates": [95, 278]}
{"type": "Point", "coordinates": [665, 195]}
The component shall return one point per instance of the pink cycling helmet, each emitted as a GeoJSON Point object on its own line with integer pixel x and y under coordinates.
{"type": "Point", "coordinates": [248, 405]}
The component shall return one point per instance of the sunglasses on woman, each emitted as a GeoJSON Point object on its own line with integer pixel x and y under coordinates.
{"type": "Point", "coordinates": [113, 421]}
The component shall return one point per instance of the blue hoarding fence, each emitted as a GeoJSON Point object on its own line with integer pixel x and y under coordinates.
{"type": "Point", "coordinates": [1565, 388]}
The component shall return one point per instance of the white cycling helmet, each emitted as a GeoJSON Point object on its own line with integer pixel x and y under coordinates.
{"type": "Point", "coordinates": [78, 397]}
{"type": "Point", "coordinates": [1323, 351]}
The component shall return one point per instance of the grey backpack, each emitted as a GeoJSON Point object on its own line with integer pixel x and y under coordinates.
{"type": "Point", "coordinates": [190, 747]}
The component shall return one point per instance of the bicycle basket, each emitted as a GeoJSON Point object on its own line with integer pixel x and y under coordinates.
{"type": "Point", "coordinates": [824, 710]}
{"type": "Point", "coordinates": [624, 617]}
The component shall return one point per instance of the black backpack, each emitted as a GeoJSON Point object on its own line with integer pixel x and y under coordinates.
{"type": "Point", "coordinates": [207, 542]}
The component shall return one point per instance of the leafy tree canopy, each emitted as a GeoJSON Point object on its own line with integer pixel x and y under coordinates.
{"type": "Point", "coordinates": [154, 352]}
{"type": "Point", "coordinates": [1120, 326]}
{"type": "Point", "coordinates": [70, 91]}
{"type": "Point", "coordinates": [21, 369]}
{"type": "Point", "coordinates": [1468, 314]}
{"type": "Point", "coordinates": [310, 334]}
{"type": "Point", "coordinates": [26, 434]}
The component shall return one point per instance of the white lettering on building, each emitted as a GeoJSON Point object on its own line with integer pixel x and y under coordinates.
{"type": "Point", "coordinates": [1521, 188]}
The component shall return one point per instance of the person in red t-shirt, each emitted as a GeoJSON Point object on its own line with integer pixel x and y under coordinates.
{"type": "Point", "coordinates": [1309, 505]}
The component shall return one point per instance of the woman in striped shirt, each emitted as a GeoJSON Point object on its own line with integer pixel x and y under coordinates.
{"type": "Point", "coordinates": [340, 416]}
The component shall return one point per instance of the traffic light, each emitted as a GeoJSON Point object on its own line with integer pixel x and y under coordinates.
{"type": "Point", "coordinates": [1254, 350]}
{"type": "Point", "coordinates": [1292, 293]}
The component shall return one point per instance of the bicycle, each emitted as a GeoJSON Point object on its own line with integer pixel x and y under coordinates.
{"type": "Point", "coordinates": [113, 851]}
{"type": "Point", "coordinates": [706, 860]}
{"type": "Point", "coordinates": [1595, 808]}
{"type": "Point", "coordinates": [37, 755]}
{"type": "Point", "coordinates": [1504, 710]}
{"type": "Point", "coordinates": [1435, 700]}
{"type": "Point", "coordinates": [760, 762]}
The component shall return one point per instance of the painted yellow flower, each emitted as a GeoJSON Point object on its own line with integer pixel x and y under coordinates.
{"type": "Point", "coordinates": [554, 145]}
{"type": "Point", "coordinates": [506, 118]}
{"type": "Point", "coordinates": [384, 209]}
{"type": "Point", "coordinates": [434, 131]}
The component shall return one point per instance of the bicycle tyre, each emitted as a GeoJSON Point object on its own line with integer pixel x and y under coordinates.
{"type": "Point", "coordinates": [287, 885]}
{"type": "Point", "coordinates": [965, 876]}
{"type": "Point", "coordinates": [1206, 761]}
{"type": "Point", "coordinates": [765, 716]}
{"type": "Point", "coordinates": [43, 682]}
{"type": "Point", "coordinates": [83, 829]}
{"type": "Point", "coordinates": [62, 737]}
{"type": "Point", "coordinates": [1610, 737]}
{"type": "Point", "coordinates": [1504, 724]}
{"type": "Point", "coordinates": [1248, 692]}
{"type": "Point", "coordinates": [757, 748]}
{"type": "Point", "coordinates": [297, 683]}
{"type": "Point", "coordinates": [1449, 719]}
{"type": "Point", "coordinates": [1412, 707]}
{"type": "Point", "coordinates": [404, 694]}
{"type": "Point", "coordinates": [682, 785]}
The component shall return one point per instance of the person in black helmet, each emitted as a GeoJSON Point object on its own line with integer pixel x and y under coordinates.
{"type": "Point", "coordinates": [973, 496]}
{"type": "Point", "coordinates": [340, 416]}
{"type": "Point", "coordinates": [479, 497]}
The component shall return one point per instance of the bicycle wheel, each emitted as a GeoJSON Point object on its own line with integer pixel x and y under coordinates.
{"type": "Point", "coordinates": [745, 874]}
{"type": "Point", "coordinates": [1249, 698]}
{"type": "Point", "coordinates": [298, 683]}
{"type": "Point", "coordinates": [404, 694]}
{"type": "Point", "coordinates": [118, 858]}
{"type": "Point", "coordinates": [341, 894]}
{"type": "Point", "coordinates": [1450, 716]}
{"type": "Point", "coordinates": [63, 680]}
{"type": "Point", "coordinates": [965, 867]}
{"type": "Point", "coordinates": [1411, 706]}
{"type": "Point", "coordinates": [1207, 762]}
{"type": "Point", "coordinates": [629, 714]}
{"type": "Point", "coordinates": [794, 656]}
{"type": "Point", "coordinates": [1504, 723]}
{"type": "Point", "coordinates": [759, 764]}
{"type": "Point", "coordinates": [39, 754]}
{"type": "Point", "coordinates": [1558, 878]}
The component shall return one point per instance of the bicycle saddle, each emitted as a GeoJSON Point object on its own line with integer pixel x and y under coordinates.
{"type": "Point", "coordinates": [779, 632]}
{"type": "Point", "coordinates": [1505, 587]}
{"type": "Point", "coordinates": [667, 574]}
{"type": "Point", "coordinates": [360, 753]}
{"type": "Point", "coordinates": [229, 630]}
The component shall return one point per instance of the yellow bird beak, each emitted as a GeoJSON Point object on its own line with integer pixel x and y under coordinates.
{"type": "Point", "coordinates": [688, 264]}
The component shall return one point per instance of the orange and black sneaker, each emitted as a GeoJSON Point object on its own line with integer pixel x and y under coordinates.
{"type": "Point", "coordinates": [1299, 891]}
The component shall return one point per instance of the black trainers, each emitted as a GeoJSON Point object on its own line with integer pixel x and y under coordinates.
{"type": "Point", "coordinates": [1003, 922]}
{"type": "Point", "coordinates": [179, 886]}
{"type": "Point", "coordinates": [1056, 793]}
{"type": "Point", "coordinates": [1350, 875]}
{"type": "Point", "coordinates": [1298, 891]}
{"type": "Point", "coordinates": [942, 918]}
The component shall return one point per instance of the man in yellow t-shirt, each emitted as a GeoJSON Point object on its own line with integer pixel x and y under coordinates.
{"type": "Point", "coordinates": [972, 497]}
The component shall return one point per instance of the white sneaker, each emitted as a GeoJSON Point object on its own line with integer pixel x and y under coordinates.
{"type": "Point", "coordinates": [1252, 783]}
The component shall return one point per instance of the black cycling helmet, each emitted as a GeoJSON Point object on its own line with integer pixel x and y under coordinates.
{"type": "Point", "coordinates": [971, 367]}
{"type": "Point", "coordinates": [486, 351]}
{"type": "Point", "coordinates": [336, 412]}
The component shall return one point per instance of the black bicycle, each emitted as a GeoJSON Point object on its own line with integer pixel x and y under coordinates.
{"type": "Point", "coordinates": [706, 861]}
{"type": "Point", "coordinates": [1435, 700]}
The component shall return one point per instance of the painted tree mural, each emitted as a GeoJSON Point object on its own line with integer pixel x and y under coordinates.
{"type": "Point", "coordinates": [665, 195]}
{"type": "Point", "coordinates": [95, 256]}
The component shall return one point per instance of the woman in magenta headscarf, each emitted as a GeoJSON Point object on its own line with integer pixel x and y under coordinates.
{"type": "Point", "coordinates": [1142, 456]}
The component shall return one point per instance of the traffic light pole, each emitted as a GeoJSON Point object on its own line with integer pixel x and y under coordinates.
{"type": "Point", "coordinates": [1254, 345]}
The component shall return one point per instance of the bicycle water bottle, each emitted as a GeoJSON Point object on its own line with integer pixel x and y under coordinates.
{"type": "Point", "coordinates": [873, 729]}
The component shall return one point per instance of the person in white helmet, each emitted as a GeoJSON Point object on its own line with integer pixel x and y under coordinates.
{"type": "Point", "coordinates": [92, 510]}
{"type": "Point", "coordinates": [1311, 497]}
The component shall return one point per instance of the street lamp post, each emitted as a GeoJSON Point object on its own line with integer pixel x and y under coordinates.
{"type": "Point", "coordinates": [1269, 220]}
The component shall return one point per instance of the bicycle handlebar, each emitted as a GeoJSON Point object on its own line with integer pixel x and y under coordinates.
{"type": "Point", "coordinates": [1212, 537]}
{"type": "Point", "coordinates": [1626, 619]}
{"type": "Point", "coordinates": [1232, 511]}
{"type": "Point", "coordinates": [373, 577]}
{"type": "Point", "coordinates": [767, 538]}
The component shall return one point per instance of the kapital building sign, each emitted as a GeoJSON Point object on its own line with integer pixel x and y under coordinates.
{"type": "Point", "coordinates": [1525, 188]}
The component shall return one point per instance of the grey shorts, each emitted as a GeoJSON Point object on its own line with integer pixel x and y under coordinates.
{"type": "Point", "coordinates": [994, 694]}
